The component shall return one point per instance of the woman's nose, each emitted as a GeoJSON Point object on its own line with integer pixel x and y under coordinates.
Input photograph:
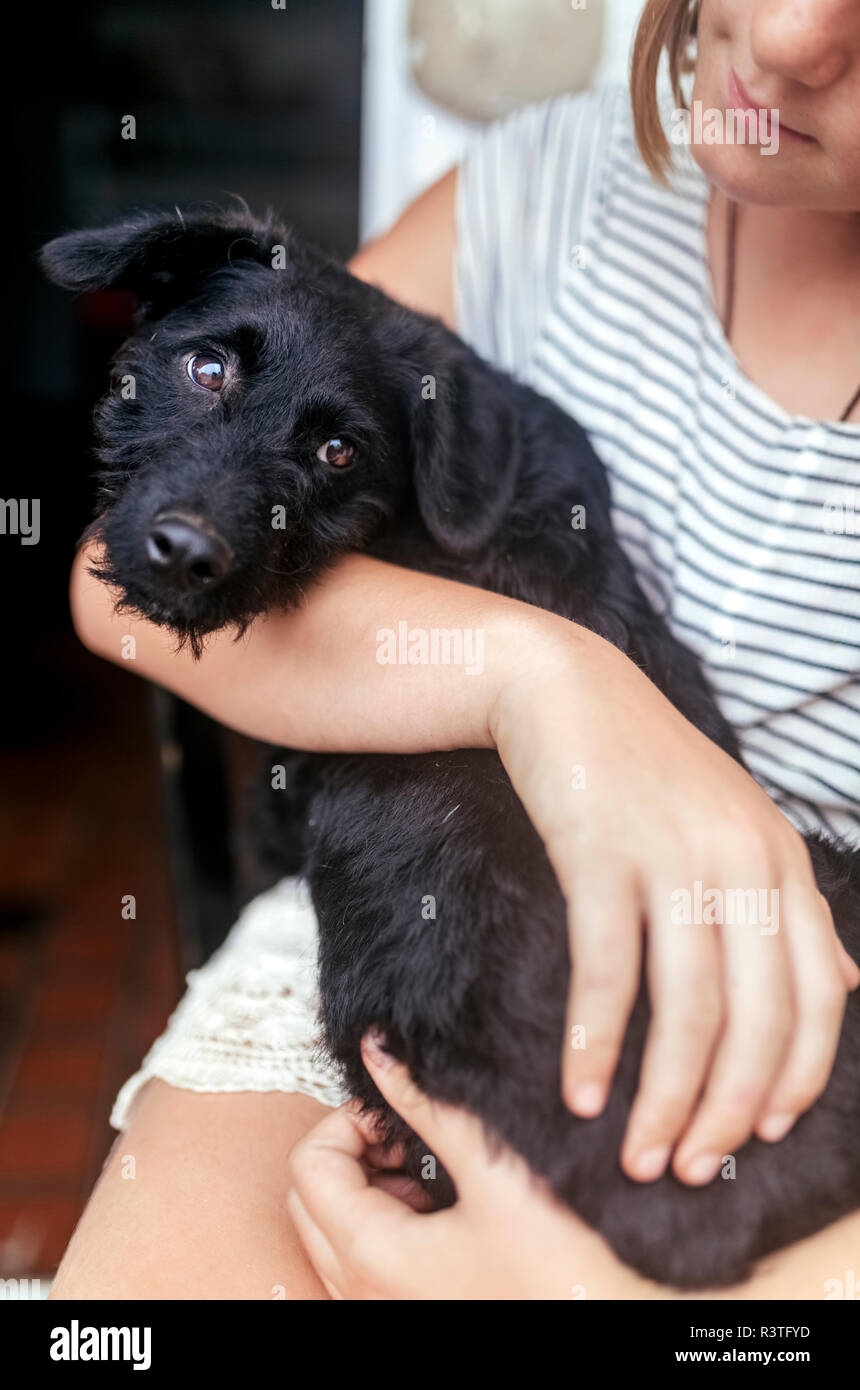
{"type": "Point", "coordinates": [807, 41]}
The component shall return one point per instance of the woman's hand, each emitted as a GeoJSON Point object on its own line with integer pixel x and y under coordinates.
{"type": "Point", "coordinates": [505, 1238]}
{"type": "Point", "coordinates": [634, 806]}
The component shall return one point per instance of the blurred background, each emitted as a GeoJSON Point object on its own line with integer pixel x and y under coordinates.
{"type": "Point", "coordinates": [335, 113]}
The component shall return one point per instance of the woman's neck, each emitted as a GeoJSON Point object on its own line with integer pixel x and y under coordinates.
{"type": "Point", "coordinates": [795, 321]}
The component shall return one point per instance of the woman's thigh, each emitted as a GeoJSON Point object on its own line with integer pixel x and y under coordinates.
{"type": "Point", "coordinates": [190, 1203]}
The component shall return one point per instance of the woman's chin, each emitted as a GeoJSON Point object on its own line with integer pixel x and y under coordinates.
{"type": "Point", "coordinates": [786, 178]}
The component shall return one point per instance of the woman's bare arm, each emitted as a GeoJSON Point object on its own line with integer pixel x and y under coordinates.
{"type": "Point", "coordinates": [414, 261]}
{"type": "Point", "coordinates": [310, 678]}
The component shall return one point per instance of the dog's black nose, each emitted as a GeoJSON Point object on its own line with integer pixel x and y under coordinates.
{"type": "Point", "coordinates": [187, 554]}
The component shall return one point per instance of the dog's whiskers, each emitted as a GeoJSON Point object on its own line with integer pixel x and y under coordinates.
{"type": "Point", "coordinates": [286, 574]}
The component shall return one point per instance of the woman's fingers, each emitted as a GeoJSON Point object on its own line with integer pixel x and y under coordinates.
{"type": "Point", "coordinates": [404, 1188]}
{"type": "Point", "coordinates": [317, 1247]}
{"type": "Point", "coordinates": [326, 1170]}
{"type": "Point", "coordinates": [760, 1013]}
{"type": "Point", "coordinates": [452, 1135]}
{"type": "Point", "coordinates": [365, 1227]}
{"type": "Point", "coordinates": [685, 987]}
{"type": "Point", "coordinates": [356, 1234]}
{"type": "Point", "coordinates": [379, 1154]}
{"type": "Point", "coordinates": [848, 967]}
{"type": "Point", "coordinates": [360, 1223]}
{"type": "Point", "coordinates": [815, 954]}
{"type": "Point", "coordinates": [606, 950]}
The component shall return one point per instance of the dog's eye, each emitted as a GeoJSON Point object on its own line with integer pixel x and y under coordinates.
{"type": "Point", "coordinates": [206, 370]}
{"type": "Point", "coordinates": [337, 452]}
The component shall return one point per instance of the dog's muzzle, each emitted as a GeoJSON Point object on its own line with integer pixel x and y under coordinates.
{"type": "Point", "coordinates": [186, 553]}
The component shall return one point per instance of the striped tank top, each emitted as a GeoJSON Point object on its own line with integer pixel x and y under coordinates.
{"type": "Point", "coordinates": [585, 279]}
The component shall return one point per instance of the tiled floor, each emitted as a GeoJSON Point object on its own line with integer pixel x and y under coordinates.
{"type": "Point", "coordinates": [83, 991]}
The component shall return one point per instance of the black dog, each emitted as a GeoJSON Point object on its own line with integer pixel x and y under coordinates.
{"type": "Point", "coordinates": [272, 412]}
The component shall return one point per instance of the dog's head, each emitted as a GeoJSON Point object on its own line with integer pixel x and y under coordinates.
{"type": "Point", "coordinates": [271, 412]}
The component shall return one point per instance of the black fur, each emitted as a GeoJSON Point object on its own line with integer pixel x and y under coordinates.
{"type": "Point", "coordinates": [476, 484]}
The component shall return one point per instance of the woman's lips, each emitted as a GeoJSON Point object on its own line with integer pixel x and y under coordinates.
{"type": "Point", "coordinates": [740, 100]}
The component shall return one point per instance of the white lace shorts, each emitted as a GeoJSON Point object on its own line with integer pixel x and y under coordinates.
{"type": "Point", "coordinates": [248, 1020]}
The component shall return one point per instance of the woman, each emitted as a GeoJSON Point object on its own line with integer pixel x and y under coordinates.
{"type": "Point", "coordinates": [706, 336]}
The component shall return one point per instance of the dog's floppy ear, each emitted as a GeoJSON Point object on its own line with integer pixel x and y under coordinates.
{"type": "Point", "coordinates": [156, 255]}
{"type": "Point", "coordinates": [466, 453]}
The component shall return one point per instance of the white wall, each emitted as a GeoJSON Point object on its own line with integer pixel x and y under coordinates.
{"type": "Point", "coordinates": [620, 20]}
{"type": "Point", "coordinates": [407, 141]}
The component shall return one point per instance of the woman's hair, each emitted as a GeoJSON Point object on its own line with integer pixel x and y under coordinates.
{"type": "Point", "coordinates": [668, 25]}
